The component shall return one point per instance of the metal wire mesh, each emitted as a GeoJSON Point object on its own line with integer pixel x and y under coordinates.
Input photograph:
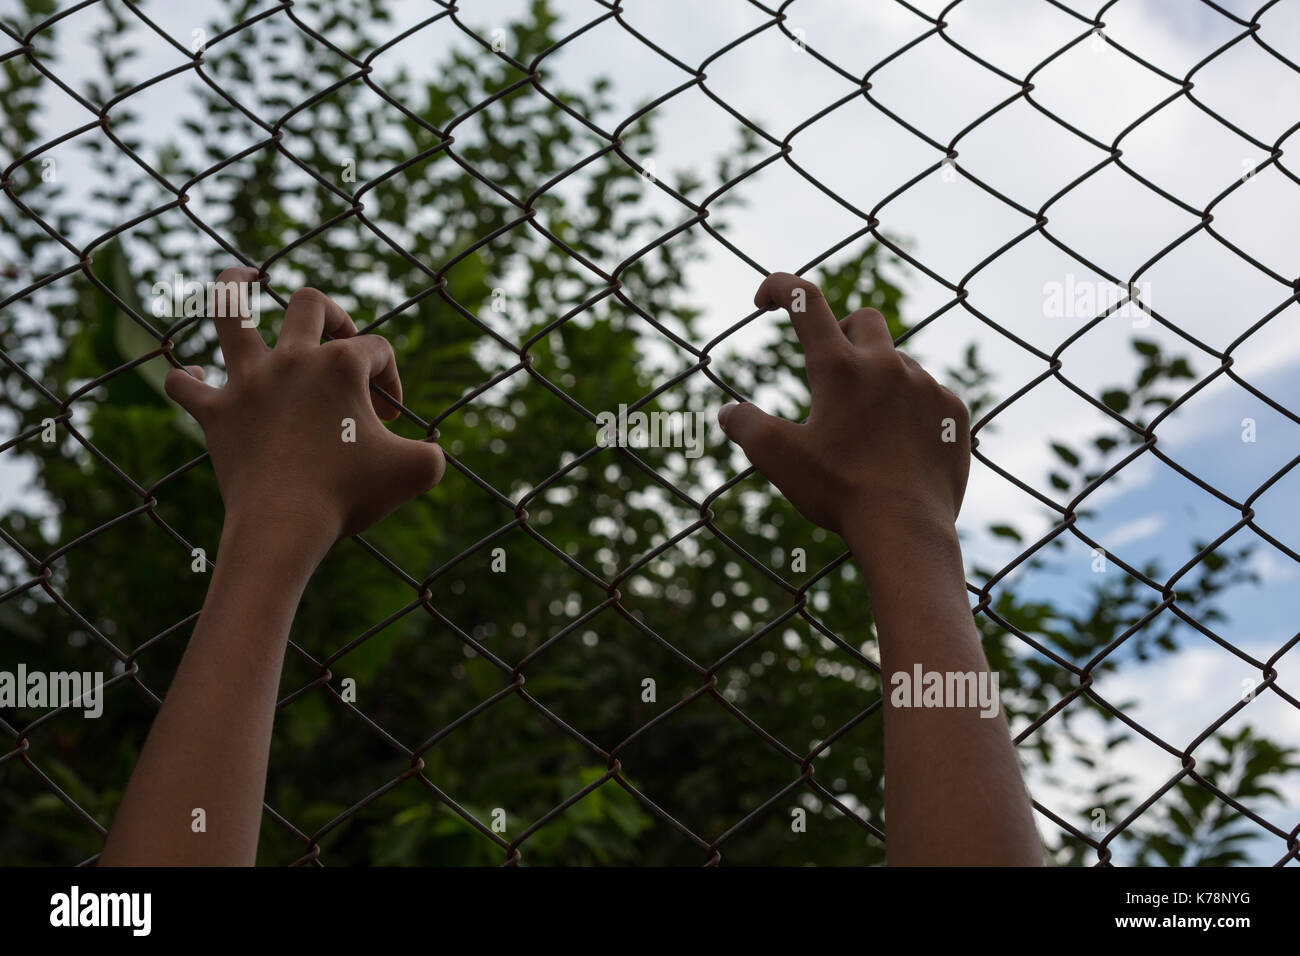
{"type": "Point", "coordinates": [25, 741]}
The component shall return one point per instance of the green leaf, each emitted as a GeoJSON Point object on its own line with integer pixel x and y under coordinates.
{"type": "Point", "coordinates": [1116, 400]}
{"type": "Point", "coordinates": [1066, 455]}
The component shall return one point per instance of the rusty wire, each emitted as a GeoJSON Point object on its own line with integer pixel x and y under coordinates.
{"type": "Point", "coordinates": [801, 764]}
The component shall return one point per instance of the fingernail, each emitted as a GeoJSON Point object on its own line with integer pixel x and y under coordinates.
{"type": "Point", "coordinates": [724, 413]}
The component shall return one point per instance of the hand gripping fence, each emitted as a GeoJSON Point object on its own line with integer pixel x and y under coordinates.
{"type": "Point", "coordinates": [35, 575]}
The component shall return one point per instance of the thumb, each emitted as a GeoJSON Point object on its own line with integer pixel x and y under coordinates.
{"type": "Point", "coordinates": [763, 437]}
{"type": "Point", "coordinates": [418, 465]}
{"type": "Point", "coordinates": [185, 387]}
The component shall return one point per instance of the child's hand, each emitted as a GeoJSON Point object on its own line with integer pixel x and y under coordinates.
{"type": "Point", "coordinates": [285, 455]}
{"type": "Point", "coordinates": [883, 461]}
{"type": "Point", "coordinates": [884, 442]}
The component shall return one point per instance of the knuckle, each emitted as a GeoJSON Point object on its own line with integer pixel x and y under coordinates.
{"type": "Point", "coordinates": [865, 317]}
{"type": "Point", "coordinates": [811, 289]}
{"type": "Point", "coordinates": [307, 295]}
{"type": "Point", "coordinates": [863, 327]}
{"type": "Point", "coordinates": [233, 274]}
{"type": "Point", "coordinates": [377, 342]}
{"type": "Point", "coordinates": [340, 356]}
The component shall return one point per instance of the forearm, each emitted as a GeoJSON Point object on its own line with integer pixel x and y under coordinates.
{"type": "Point", "coordinates": [209, 745]}
{"type": "Point", "coordinates": [953, 788]}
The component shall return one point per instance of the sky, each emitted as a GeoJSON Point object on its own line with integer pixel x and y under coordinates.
{"type": "Point", "coordinates": [1148, 511]}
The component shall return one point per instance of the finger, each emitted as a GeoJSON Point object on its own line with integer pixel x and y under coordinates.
{"type": "Point", "coordinates": [230, 310]}
{"type": "Point", "coordinates": [814, 322]}
{"type": "Point", "coordinates": [764, 438]}
{"type": "Point", "coordinates": [186, 389]}
{"type": "Point", "coordinates": [381, 367]}
{"type": "Point", "coordinates": [310, 314]}
{"type": "Point", "coordinates": [868, 330]}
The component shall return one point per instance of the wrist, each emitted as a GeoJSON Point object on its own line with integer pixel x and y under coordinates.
{"type": "Point", "coordinates": [897, 542]}
{"type": "Point", "coordinates": [287, 539]}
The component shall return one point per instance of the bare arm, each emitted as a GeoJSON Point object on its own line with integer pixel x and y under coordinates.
{"type": "Point", "coordinates": [209, 744]}
{"type": "Point", "coordinates": [883, 461]}
{"type": "Point", "coordinates": [292, 485]}
{"type": "Point", "coordinates": [953, 791]}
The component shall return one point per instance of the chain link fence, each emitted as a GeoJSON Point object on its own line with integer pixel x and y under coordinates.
{"type": "Point", "coordinates": [314, 674]}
